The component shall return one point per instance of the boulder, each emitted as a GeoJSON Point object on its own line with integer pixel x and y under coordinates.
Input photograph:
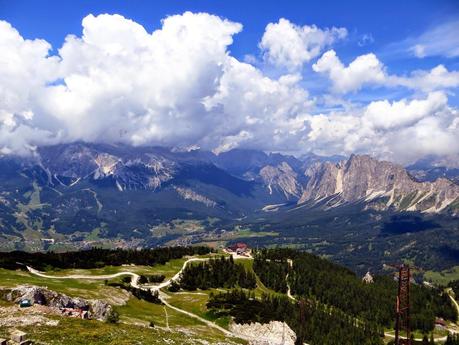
{"type": "Point", "coordinates": [272, 333]}
{"type": "Point", "coordinates": [39, 295]}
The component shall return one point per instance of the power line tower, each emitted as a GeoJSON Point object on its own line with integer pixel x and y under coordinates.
{"type": "Point", "coordinates": [402, 308]}
{"type": "Point", "coordinates": [302, 306]}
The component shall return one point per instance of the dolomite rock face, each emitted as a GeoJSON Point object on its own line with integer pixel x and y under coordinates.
{"type": "Point", "coordinates": [127, 170]}
{"type": "Point", "coordinates": [380, 184]}
{"type": "Point", "coordinates": [272, 333]}
{"type": "Point", "coordinates": [281, 178]}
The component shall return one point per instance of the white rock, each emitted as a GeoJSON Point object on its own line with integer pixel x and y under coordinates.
{"type": "Point", "coordinates": [272, 333]}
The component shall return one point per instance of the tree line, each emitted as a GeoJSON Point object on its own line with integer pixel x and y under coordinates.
{"type": "Point", "coordinates": [452, 339]}
{"type": "Point", "coordinates": [312, 322]}
{"type": "Point", "coordinates": [143, 294]}
{"type": "Point", "coordinates": [97, 257]}
{"type": "Point", "coordinates": [216, 273]}
{"type": "Point", "coordinates": [312, 277]}
{"type": "Point", "coordinates": [151, 278]}
{"type": "Point", "coordinates": [454, 284]}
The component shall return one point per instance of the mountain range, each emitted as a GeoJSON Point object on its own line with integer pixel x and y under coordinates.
{"type": "Point", "coordinates": [80, 192]}
{"type": "Point", "coordinates": [310, 177]}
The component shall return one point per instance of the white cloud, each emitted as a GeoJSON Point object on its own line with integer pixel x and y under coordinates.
{"type": "Point", "coordinates": [288, 45]}
{"type": "Point", "coordinates": [442, 40]}
{"type": "Point", "coordinates": [388, 115]}
{"type": "Point", "coordinates": [369, 70]}
{"type": "Point", "coordinates": [268, 112]}
{"type": "Point", "coordinates": [365, 69]}
{"type": "Point", "coordinates": [437, 78]}
{"type": "Point", "coordinates": [24, 67]}
{"type": "Point", "coordinates": [180, 86]}
{"type": "Point", "coordinates": [402, 130]}
{"type": "Point", "coordinates": [177, 86]}
{"type": "Point", "coordinates": [365, 40]}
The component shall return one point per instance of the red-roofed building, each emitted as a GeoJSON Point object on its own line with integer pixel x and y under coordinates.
{"type": "Point", "coordinates": [239, 248]}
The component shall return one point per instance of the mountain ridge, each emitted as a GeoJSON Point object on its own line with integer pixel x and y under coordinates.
{"type": "Point", "coordinates": [361, 178]}
{"type": "Point", "coordinates": [383, 184]}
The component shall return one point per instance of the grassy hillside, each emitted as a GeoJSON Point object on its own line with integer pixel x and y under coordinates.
{"type": "Point", "coordinates": [325, 289]}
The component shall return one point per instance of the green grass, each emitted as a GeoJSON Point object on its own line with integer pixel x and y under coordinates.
{"type": "Point", "coordinates": [195, 301]}
{"type": "Point", "coordinates": [261, 288]}
{"type": "Point", "coordinates": [418, 334]}
{"type": "Point", "coordinates": [443, 277]}
{"type": "Point", "coordinates": [169, 269]}
{"type": "Point", "coordinates": [142, 312]}
{"type": "Point", "coordinates": [82, 332]}
{"type": "Point", "coordinates": [135, 315]}
{"type": "Point", "coordinates": [72, 287]}
{"type": "Point", "coordinates": [192, 302]}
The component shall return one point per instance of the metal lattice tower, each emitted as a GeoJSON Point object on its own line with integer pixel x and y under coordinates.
{"type": "Point", "coordinates": [402, 309]}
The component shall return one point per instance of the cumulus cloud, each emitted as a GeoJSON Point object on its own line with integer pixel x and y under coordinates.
{"type": "Point", "coordinates": [437, 78]}
{"type": "Point", "coordinates": [288, 45]}
{"type": "Point", "coordinates": [179, 86]}
{"type": "Point", "coordinates": [365, 69]}
{"type": "Point", "coordinates": [388, 115]}
{"type": "Point", "coordinates": [24, 68]}
{"type": "Point", "coordinates": [369, 70]}
{"type": "Point", "coordinates": [401, 130]}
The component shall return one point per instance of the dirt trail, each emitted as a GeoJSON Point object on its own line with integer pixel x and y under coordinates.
{"type": "Point", "coordinates": [134, 283]}
{"type": "Point", "coordinates": [289, 293]}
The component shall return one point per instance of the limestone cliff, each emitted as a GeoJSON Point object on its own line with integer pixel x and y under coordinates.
{"type": "Point", "coordinates": [380, 184]}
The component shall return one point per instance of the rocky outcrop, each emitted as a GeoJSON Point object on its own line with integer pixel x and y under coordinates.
{"type": "Point", "coordinates": [382, 185]}
{"type": "Point", "coordinates": [368, 278]}
{"type": "Point", "coordinates": [281, 178]}
{"type": "Point", "coordinates": [38, 295]}
{"type": "Point", "coordinates": [189, 194]}
{"type": "Point", "coordinates": [272, 333]}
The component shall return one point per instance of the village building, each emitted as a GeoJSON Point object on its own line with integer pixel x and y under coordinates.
{"type": "Point", "coordinates": [440, 324]}
{"type": "Point", "coordinates": [3, 341]}
{"type": "Point", "coordinates": [238, 248]}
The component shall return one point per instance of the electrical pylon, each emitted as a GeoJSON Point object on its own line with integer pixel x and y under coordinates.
{"type": "Point", "coordinates": [402, 308]}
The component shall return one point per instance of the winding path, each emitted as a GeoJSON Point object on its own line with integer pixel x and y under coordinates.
{"type": "Point", "coordinates": [134, 283]}
{"type": "Point", "coordinates": [289, 292]}
{"type": "Point", "coordinates": [450, 293]}
{"type": "Point", "coordinates": [163, 296]}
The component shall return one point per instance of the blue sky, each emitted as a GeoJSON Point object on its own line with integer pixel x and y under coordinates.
{"type": "Point", "coordinates": [325, 92]}
{"type": "Point", "coordinates": [386, 21]}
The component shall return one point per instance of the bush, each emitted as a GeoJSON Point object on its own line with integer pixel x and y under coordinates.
{"type": "Point", "coordinates": [142, 279]}
{"type": "Point", "coordinates": [174, 287]}
{"type": "Point", "coordinates": [156, 278]}
{"type": "Point", "coordinates": [113, 317]}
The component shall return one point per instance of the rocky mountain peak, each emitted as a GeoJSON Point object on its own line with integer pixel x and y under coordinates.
{"type": "Point", "coordinates": [381, 184]}
{"type": "Point", "coordinates": [281, 178]}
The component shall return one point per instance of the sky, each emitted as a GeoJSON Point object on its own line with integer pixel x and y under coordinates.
{"type": "Point", "coordinates": [329, 77]}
